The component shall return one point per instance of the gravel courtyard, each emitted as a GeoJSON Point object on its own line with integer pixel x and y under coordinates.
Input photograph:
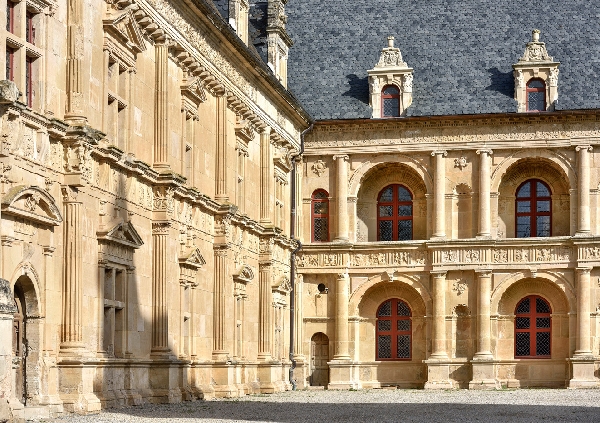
{"type": "Point", "coordinates": [381, 405]}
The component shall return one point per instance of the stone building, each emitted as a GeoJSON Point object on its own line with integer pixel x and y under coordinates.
{"type": "Point", "coordinates": [158, 179]}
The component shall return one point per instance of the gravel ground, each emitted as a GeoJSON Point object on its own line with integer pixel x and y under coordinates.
{"type": "Point", "coordinates": [378, 405]}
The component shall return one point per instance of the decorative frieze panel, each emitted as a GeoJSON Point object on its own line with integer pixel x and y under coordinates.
{"type": "Point", "coordinates": [32, 204]}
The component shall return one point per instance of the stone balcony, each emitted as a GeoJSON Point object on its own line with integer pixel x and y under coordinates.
{"type": "Point", "coordinates": [430, 255]}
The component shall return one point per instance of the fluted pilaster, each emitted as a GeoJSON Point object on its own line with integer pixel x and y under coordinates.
{"type": "Point", "coordinates": [75, 112]}
{"type": "Point", "coordinates": [160, 321]}
{"type": "Point", "coordinates": [265, 338]}
{"type": "Point", "coordinates": [161, 123]}
{"type": "Point", "coordinates": [266, 178]}
{"type": "Point", "coordinates": [219, 296]}
{"type": "Point", "coordinates": [221, 151]}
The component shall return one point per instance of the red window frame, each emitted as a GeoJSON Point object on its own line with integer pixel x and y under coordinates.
{"type": "Point", "coordinates": [533, 330]}
{"type": "Point", "coordinates": [10, 63]}
{"type": "Point", "coordinates": [395, 218]}
{"type": "Point", "coordinates": [533, 212]}
{"type": "Point", "coordinates": [535, 90]}
{"type": "Point", "coordinates": [29, 80]}
{"type": "Point", "coordinates": [387, 97]}
{"type": "Point", "coordinates": [319, 200]}
{"type": "Point", "coordinates": [10, 16]}
{"type": "Point", "coordinates": [394, 332]}
{"type": "Point", "coordinates": [29, 28]}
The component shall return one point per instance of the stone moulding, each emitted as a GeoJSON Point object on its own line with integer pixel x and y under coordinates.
{"type": "Point", "coordinates": [122, 233]}
{"type": "Point", "coordinates": [32, 203]}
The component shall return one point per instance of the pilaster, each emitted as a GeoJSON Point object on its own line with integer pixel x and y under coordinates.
{"type": "Point", "coordinates": [75, 113]}
{"type": "Point", "coordinates": [161, 106]}
{"type": "Point", "coordinates": [160, 321]}
{"type": "Point", "coordinates": [266, 177]}
{"type": "Point", "coordinates": [439, 195]}
{"type": "Point", "coordinates": [342, 291]}
{"type": "Point", "coordinates": [485, 214]}
{"type": "Point", "coordinates": [221, 194]}
{"type": "Point", "coordinates": [342, 198]}
{"type": "Point", "coordinates": [220, 353]}
{"type": "Point", "coordinates": [583, 190]}
{"type": "Point", "coordinates": [265, 346]}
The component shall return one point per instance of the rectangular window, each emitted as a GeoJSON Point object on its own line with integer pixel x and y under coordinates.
{"type": "Point", "coordinates": [10, 16]}
{"type": "Point", "coordinates": [10, 61]}
{"type": "Point", "coordinates": [29, 28]}
{"type": "Point", "coordinates": [29, 80]}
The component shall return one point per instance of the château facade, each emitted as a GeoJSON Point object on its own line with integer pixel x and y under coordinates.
{"type": "Point", "coordinates": [176, 224]}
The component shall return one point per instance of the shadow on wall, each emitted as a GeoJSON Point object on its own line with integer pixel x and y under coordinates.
{"type": "Point", "coordinates": [359, 88]}
{"type": "Point", "coordinates": [502, 82]}
{"type": "Point", "coordinates": [361, 412]}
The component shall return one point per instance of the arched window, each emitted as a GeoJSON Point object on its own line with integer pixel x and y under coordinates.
{"type": "Point", "coordinates": [390, 101]}
{"type": "Point", "coordinates": [320, 216]}
{"type": "Point", "coordinates": [394, 214]}
{"type": "Point", "coordinates": [533, 209]}
{"type": "Point", "coordinates": [394, 331]}
{"type": "Point", "coordinates": [533, 330]}
{"type": "Point", "coordinates": [536, 95]}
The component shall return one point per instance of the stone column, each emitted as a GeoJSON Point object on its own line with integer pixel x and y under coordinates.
{"type": "Point", "coordinates": [342, 198]}
{"type": "Point", "coordinates": [220, 353]}
{"type": "Point", "coordinates": [342, 288]}
{"type": "Point", "coordinates": [161, 103]}
{"type": "Point", "coordinates": [266, 178]}
{"type": "Point", "coordinates": [72, 293]}
{"type": "Point", "coordinates": [160, 309]}
{"type": "Point", "coordinates": [221, 151]}
{"type": "Point", "coordinates": [583, 190]}
{"type": "Point", "coordinates": [583, 313]}
{"type": "Point", "coordinates": [265, 345]}
{"type": "Point", "coordinates": [298, 317]}
{"type": "Point", "coordinates": [438, 332]}
{"type": "Point", "coordinates": [484, 330]}
{"type": "Point", "coordinates": [439, 195]}
{"type": "Point", "coordinates": [75, 112]}
{"type": "Point", "coordinates": [485, 180]}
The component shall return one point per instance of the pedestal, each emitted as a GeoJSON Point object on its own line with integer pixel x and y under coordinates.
{"type": "Point", "coordinates": [484, 375]}
{"type": "Point", "coordinates": [341, 375]}
{"type": "Point", "coordinates": [223, 375]}
{"type": "Point", "coordinates": [270, 376]}
{"type": "Point", "coordinates": [76, 387]}
{"type": "Point", "coordinates": [165, 381]}
{"type": "Point", "coordinates": [438, 374]}
{"type": "Point", "coordinates": [582, 373]}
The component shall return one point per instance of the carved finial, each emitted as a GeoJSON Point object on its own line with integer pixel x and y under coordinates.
{"type": "Point", "coordinates": [535, 35]}
{"type": "Point", "coordinates": [390, 39]}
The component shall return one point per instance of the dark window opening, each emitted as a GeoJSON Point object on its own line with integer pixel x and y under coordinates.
{"type": "Point", "coordinates": [536, 95]}
{"type": "Point", "coordinates": [394, 331]}
{"type": "Point", "coordinates": [533, 209]}
{"type": "Point", "coordinates": [394, 214]}
{"type": "Point", "coordinates": [390, 101]}
{"type": "Point", "coordinates": [533, 331]}
{"type": "Point", "coordinates": [320, 216]}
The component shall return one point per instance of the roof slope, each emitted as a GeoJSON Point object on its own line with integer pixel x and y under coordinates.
{"type": "Point", "coordinates": [461, 51]}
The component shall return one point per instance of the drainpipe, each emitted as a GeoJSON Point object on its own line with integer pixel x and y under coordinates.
{"type": "Point", "coordinates": [293, 255]}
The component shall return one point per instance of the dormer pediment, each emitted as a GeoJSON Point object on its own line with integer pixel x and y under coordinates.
{"type": "Point", "coordinates": [192, 258]}
{"type": "Point", "coordinates": [122, 233]}
{"type": "Point", "coordinates": [192, 94]}
{"type": "Point", "coordinates": [123, 37]}
{"type": "Point", "coordinates": [32, 203]}
{"type": "Point", "coordinates": [282, 285]}
{"type": "Point", "coordinates": [243, 274]}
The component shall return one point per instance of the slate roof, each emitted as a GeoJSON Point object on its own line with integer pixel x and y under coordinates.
{"type": "Point", "coordinates": [462, 52]}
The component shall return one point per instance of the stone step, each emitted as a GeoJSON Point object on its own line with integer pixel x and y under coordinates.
{"type": "Point", "coordinates": [36, 413]}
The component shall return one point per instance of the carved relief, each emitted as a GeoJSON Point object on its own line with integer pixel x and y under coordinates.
{"type": "Point", "coordinates": [459, 286]}
{"type": "Point", "coordinates": [319, 167]}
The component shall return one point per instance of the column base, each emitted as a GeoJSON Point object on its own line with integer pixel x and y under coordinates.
{"type": "Point", "coordinates": [484, 375]}
{"type": "Point", "coordinates": [223, 376]}
{"type": "Point", "coordinates": [300, 372]}
{"type": "Point", "coordinates": [271, 377]}
{"type": "Point", "coordinates": [438, 374]}
{"type": "Point", "coordinates": [74, 379]}
{"type": "Point", "coordinates": [166, 381]}
{"type": "Point", "coordinates": [582, 373]}
{"type": "Point", "coordinates": [341, 375]}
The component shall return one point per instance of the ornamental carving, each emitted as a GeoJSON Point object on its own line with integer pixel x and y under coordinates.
{"type": "Point", "coordinates": [472, 256]}
{"type": "Point", "coordinates": [163, 199]}
{"type": "Point", "coordinates": [32, 204]}
{"type": "Point", "coordinates": [459, 286]}
{"type": "Point", "coordinates": [460, 162]}
{"type": "Point", "coordinates": [449, 256]}
{"type": "Point", "coordinates": [319, 167]}
{"type": "Point", "coordinates": [535, 51]}
{"type": "Point", "coordinates": [500, 256]}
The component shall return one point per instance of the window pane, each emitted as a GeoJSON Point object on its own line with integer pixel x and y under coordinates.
{"type": "Point", "coordinates": [542, 323]}
{"type": "Point", "coordinates": [523, 306]}
{"type": "Point", "coordinates": [385, 309]}
{"type": "Point", "coordinates": [385, 230]}
{"type": "Point", "coordinates": [543, 226]}
{"type": "Point", "coordinates": [536, 101]}
{"type": "Point", "coordinates": [404, 194]}
{"type": "Point", "coordinates": [403, 309]}
{"type": "Point", "coordinates": [525, 190]}
{"type": "Point", "coordinates": [384, 325]}
{"type": "Point", "coordinates": [404, 325]}
{"type": "Point", "coordinates": [523, 226]}
{"type": "Point", "coordinates": [320, 194]}
{"type": "Point", "coordinates": [524, 206]}
{"type": "Point", "coordinates": [542, 343]}
{"type": "Point", "coordinates": [404, 210]}
{"type": "Point", "coordinates": [390, 90]}
{"type": "Point", "coordinates": [404, 230]}
{"type": "Point", "coordinates": [522, 322]}
{"type": "Point", "coordinates": [386, 195]}
{"type": "Point", "coordinates": [403, 346]}
{"type": "Point", "coordinates": [541, 306]}
{"type": "Point", "coordinates": [384, 344]}
{"type": "Point", "coordinates": [386, 211]}
{"type": "Point", "coordinates": [522, 344]}
{"type": "Point", "coordinates": [321, 229]}
{"type": "Point", "coordinates": [542, 190]}
{"type": "Point", "coordinates": [536, 83]}
{"type": "Point", "coordinates": [391, 107]}
{"type": "Point", "coordinates": [321, 207]}
{"type": "Point", "coordinates": [543, 206]}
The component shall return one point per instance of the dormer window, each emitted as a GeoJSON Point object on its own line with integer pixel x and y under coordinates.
{"type": "Point", "coordinates": [390, 99]}
{"type": "Point", "coordinates": [536, 95]}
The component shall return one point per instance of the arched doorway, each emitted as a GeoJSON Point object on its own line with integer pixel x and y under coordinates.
{"type": "Point", "coordinates": [319, 356]}
{"type": "Point", "coordinates": [20, 345]}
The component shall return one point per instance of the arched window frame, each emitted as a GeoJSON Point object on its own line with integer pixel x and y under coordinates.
{"type": "Point", "coordinates": [534, 213]}
{"type": "Point", "coordinates": [319, 197]}
{"type": "Point", "coordinates": [399, 330]}
{"type": "Point", "coordinates": [385, 96]}
{"type": "Point", "coordinates": [540, 312]}
{"type": "Point", "coordinates": [531, 89]}
{"type": "Point", "coordinates": [395, 218]}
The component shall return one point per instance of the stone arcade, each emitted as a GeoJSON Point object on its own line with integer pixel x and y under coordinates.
{"type": "Point", "coordinates": [176, 225]}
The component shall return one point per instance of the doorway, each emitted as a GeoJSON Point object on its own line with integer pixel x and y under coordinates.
{"type": "Point", "coordinates": [319, 356]}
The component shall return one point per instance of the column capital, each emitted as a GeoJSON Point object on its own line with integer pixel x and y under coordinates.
{"type": "Point", "coordinates": [487, 151]}
{"type": "Point", "coordinates": [443, 153]}
{"type": "Point", "coordinates": [69, 194]}
{"type": "Point", "coordinates": [584, 270]}
{"type": "Point", "coordinates": [439, 273]}
{"type": "Point", "coordinates": [584, 147]}
{"type": "Point", "coordinates": [343, 157]}
{"type": "Point", "coordinates": [342, 276]}
{"type": "Point", "coordinates": [160, 228]}
{"type": "Point", "coordinates": [483, 272]}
